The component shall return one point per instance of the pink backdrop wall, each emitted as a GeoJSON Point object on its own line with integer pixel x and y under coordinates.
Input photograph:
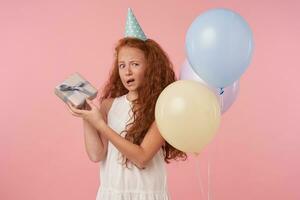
{"type": "Point", "coordinates": [255, 154]}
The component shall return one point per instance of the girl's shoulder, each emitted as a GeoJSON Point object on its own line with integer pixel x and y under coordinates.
{"type": "Point", "coordinates": [106, 104]}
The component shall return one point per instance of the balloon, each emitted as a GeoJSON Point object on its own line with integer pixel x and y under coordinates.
{"type": "Point", "coordinates": [226, 96]}
{"type": "Point", "coordinates": [187, 115]}
{"type": "Point", "coordinates": [219, 46]}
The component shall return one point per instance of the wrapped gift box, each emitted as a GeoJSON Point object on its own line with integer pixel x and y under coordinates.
{"type": "Point", "coordinates": [75, 89]}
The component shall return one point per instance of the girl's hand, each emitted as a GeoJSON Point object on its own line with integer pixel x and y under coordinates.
{"type": "Point", "coordinates": [92, 115]}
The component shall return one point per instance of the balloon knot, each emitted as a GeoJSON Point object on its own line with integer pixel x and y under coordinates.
{"type": "Point", "coordinates": [221, 91]}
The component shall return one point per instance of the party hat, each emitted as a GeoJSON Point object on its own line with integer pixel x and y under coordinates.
{"type": "Point", "coordinates": [133, 28]}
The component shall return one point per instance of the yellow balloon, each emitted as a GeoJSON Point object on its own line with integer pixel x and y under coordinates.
{"type": "Point", "coordinates": [187, 115]}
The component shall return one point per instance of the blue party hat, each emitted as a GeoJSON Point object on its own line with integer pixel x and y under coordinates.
{"type": "Point", "coordinates": [133, 28]}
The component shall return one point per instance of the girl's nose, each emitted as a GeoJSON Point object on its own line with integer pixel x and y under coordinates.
{"type": "Point", "coordinates": [128, 70]}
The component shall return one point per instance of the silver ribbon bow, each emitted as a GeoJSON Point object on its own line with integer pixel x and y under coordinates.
{"type": "Point", "coordinates": [79, 87]}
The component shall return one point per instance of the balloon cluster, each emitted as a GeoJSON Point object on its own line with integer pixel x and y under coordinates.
{"type": "Point", "coordinates": [219, 46]}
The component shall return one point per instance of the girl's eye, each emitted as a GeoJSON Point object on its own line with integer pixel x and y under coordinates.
{"type": "Point", "coordinates": [121, 66]}
{"type": "Point", "coordinates": [135, 64]}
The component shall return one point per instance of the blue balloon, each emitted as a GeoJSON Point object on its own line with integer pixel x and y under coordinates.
{"type": "Point", "coordinates": [219, 46]}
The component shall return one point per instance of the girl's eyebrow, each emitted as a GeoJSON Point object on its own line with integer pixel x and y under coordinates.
{"type": "Point", "coordinates": [129, 61]}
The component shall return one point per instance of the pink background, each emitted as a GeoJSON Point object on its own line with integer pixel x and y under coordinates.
{"type": "Point", "coordinates": [255, 154]}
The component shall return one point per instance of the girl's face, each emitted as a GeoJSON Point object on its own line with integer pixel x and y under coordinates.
{"type": "Point", "coordinates": [131, 64]}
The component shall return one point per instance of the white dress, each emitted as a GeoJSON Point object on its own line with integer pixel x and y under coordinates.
{"type": "Point", "coordinates": [120, 183]}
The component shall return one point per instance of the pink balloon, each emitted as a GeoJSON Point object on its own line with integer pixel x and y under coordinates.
{"type": "Point", "coordinates": [226, 96]}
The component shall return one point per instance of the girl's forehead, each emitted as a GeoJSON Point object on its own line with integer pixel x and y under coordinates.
{"type": "Point", "coordinates": [130, 53]}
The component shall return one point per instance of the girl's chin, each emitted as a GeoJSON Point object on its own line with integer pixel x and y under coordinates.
{"type": "Point", "coordinates": [131, 87]}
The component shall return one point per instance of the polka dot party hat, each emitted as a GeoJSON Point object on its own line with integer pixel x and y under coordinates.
{"type": "Point", "coordinates": [133, 28]}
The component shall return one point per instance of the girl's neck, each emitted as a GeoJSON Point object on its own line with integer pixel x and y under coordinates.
{"type": "Point", "coordinates": [131, 95]}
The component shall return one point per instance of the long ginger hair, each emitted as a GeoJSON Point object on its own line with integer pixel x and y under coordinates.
{"type": "Point", "coordinates": [158, 74]}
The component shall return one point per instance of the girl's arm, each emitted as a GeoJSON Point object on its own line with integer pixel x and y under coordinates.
{"type": "Point", "coordinates": [95, 143]}
{"type": "Point", "coordinates": [140, 155]}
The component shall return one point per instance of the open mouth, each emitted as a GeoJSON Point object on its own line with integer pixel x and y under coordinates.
{"type": "Point", "coordinates": [130, 81]}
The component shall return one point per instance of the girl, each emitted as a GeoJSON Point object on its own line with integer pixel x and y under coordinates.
{"type": "Point", "coordinates": [124, 127]}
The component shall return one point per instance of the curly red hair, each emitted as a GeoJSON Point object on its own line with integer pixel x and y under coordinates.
{"type": "Point", "coordinates": [158, 74]}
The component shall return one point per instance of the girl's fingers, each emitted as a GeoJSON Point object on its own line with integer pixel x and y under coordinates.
{"type": "Point", "coordinates": [69, 108]}
{"type": "Point", "coordinates": [90, 102]}
{"type": "Point", "coordinates": [72, 110]}
{"type": "Point", "coordinates": [86, 106]}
